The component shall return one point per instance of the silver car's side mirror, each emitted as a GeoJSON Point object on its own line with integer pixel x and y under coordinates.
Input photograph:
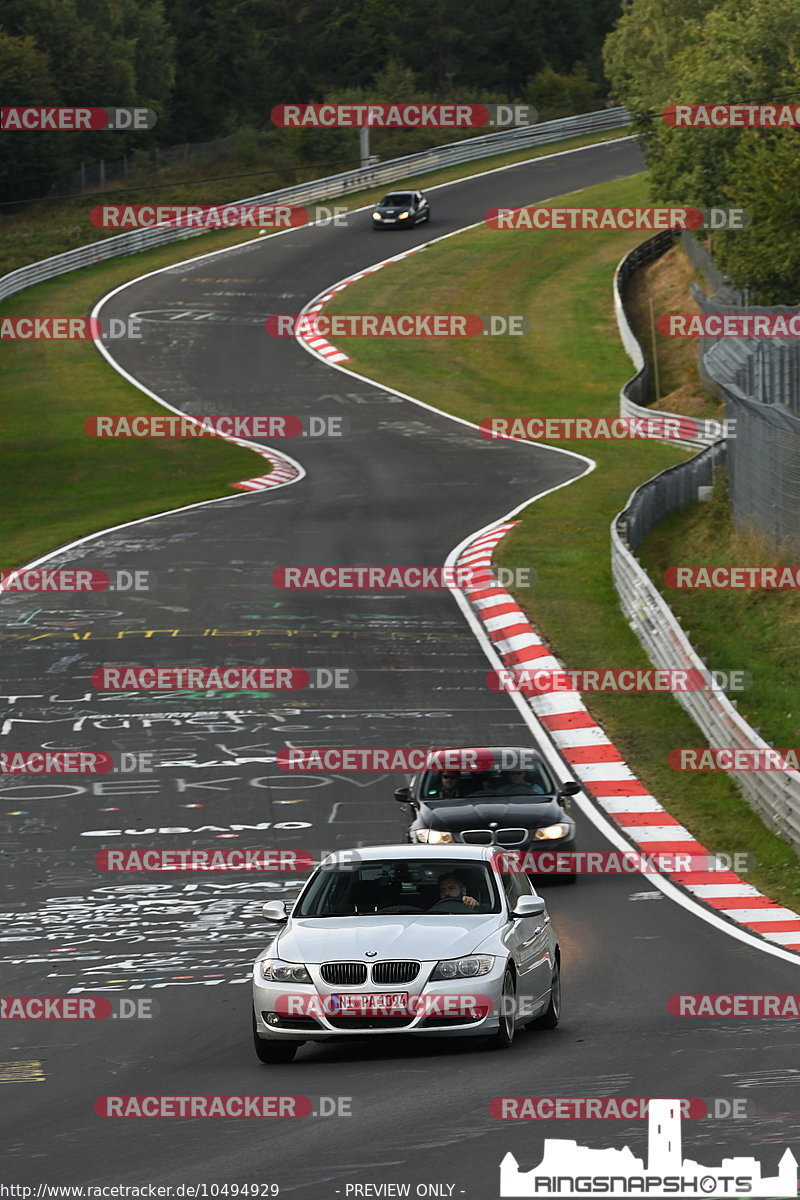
{"type": "Point", "coordinates": [528, 906]}
{"type": "Point", "coordinates": [274, 910]}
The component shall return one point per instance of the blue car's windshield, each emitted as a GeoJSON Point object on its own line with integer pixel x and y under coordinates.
{"type": "Point", "coordinates": [448, 787]}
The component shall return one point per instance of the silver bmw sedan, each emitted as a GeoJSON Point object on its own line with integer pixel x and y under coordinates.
{"type": "Point", "coordinates": [405, 939]}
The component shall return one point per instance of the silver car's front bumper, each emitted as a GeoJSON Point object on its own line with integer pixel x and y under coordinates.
{"type": "Point", "coordinates": [321, 1027]}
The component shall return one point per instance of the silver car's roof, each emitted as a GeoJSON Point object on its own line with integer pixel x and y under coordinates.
{"type": "Point", "coordinates": [401, 851]}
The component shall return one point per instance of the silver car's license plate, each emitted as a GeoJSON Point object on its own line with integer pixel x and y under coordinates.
{"type": "Point", "coordinates": [370, 1004]}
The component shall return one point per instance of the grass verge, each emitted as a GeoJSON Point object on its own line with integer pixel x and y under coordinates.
{"type": "Point", "coordinates": [571, 365]}
{"type": "Point", "coordinates": [60, 484]}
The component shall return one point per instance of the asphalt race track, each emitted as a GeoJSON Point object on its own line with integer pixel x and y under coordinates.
{"type": "Point", "coordinates": [404, 486]}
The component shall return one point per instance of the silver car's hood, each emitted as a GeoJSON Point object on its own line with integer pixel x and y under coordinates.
{"type": "Point", "coordinates": [329, 939]}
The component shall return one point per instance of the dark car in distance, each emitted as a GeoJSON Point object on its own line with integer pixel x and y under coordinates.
{"type": "Point", "coordinates": [515, 803]}
{"type": "Point", "coordinates": [398, 209]}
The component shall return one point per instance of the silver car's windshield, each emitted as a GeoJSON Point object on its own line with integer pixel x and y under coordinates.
{"type": "Point", "coordinates": [423, 885]}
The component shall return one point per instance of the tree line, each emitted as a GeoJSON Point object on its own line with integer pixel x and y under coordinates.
{"type": "Point", "coordinates": [209, 68]}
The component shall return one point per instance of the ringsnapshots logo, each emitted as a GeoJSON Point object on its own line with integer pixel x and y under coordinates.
{"type": "Point", "coordinates": [402, 116]}
{"type": "Point", "coordinates": [74, 579]}
{"type": "Point", "coordinates": [397, 325]}
{"type": "Point", "coordinates": [569, 1170]}
{"type": "Point", "coordinates": [532, 681]}
{"type": "Point", "coordinates": [75, 120]}
{"type": "Point", "coordinates": [224, 425]}
{"type": "Point", "coordinates": [214, 679]}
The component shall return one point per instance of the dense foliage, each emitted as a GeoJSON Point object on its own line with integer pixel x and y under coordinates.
{"type": "Point", "coordinates": [211, 67]}
{"type": "Point", "coordinates": [719, 51]}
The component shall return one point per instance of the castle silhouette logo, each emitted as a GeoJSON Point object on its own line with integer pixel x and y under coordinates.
{"type": "Point", "coordinates": [568, 1169]}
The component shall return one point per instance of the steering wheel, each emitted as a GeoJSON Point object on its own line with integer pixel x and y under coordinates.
{"type": "Point", "coordinates": [399, 908]}
{"type": "Point", "coordinates": [450, 904]}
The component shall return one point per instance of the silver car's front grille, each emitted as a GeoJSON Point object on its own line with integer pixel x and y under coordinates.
{"type": "Point", "coordinates": [477, 837]}
{"type": "Point", "coordinates": [394, 972]}
{"type": "Point", "coordinates": [511, 837]}
{"type": "Point", "coordinates": [344, 974]}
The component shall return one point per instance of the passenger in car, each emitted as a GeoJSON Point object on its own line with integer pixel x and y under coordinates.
{"type": "Point", "coordinates": [518, 782]}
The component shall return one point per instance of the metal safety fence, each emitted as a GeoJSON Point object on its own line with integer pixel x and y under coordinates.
{"type": "Point", "coordinates": [759, 380]}
{"type": "Point", "coordinates": [635, 394]}
{"type": "Point", "coordinates": [328, 188]}
{"type": "Point", "coordinates": [774, 795]}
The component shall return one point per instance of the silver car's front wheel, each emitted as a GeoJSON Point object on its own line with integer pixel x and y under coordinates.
{"type": "Point", "coordinates": [508, 1004]}
{"type": "Point", "coordinates": [552, 1014]}
{"type": "Point", "coordinates": [273, 1051]}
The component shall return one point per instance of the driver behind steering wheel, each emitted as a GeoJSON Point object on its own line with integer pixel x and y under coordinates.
{"type": "Point", "coordinates": [451, 888]}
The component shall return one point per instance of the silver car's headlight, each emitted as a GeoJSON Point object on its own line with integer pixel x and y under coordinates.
{"type": "Point", "coordinates": [551, 832]}
{"type": "Point", "coordinates": [274, 971]}
{"type": "Point", "coordinates": [434, 837]}
{"type": "Point", "coordinates": [463, 968]}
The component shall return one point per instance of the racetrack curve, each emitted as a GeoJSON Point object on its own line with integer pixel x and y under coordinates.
{"type": "Point", "coordinates": [404, 486]}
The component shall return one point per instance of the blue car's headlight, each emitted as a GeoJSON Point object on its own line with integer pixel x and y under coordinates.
{"type": "Point", "coordinates": [551, 832]}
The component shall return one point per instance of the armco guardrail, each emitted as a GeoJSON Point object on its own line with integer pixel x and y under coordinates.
{"type": "Point", "coordinates": [325, 189]}
{"type": "Point", "coordinates": [775, 795]}
{"type": "Point", "coordinates": [637, 388]}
